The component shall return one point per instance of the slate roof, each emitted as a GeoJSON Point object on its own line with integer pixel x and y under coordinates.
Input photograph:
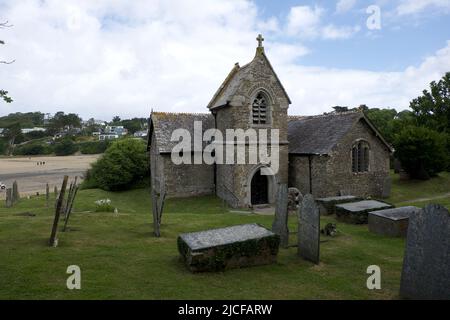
{"type": "Point", "coordinates": [164, 123]}
{"type": "Point", "coordinates": [319, 134]}
{"type": "Point", "coordinates": [315, 135]}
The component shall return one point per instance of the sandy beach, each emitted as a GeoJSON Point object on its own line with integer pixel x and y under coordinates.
{"type": "Point", "coordinates": [33, 173]}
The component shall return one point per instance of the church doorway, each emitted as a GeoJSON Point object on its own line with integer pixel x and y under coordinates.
{"type": "Point", "coordinates": [259, 189]}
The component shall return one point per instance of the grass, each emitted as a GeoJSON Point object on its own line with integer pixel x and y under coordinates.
{"type": "Point", "coordinates": [120, 259]}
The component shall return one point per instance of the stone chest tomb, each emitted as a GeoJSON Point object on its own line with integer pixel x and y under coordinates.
{"type": "Point", "coordinates": [391, 222]}
{"type": "Point", "coordinates": [231, 247]}
{"type": "Point", "coordinates": [357, 212]}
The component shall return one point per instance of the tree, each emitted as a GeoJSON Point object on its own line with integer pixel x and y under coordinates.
{"type": "Point", "coordinates": [3, 93]}
{"type": "Point", "coordinates": [421, 151]}
{"type": "Point", "coordinates": [11, 134]}
{"type": "Point", "coordinates": [432, 109]}
{"type": "Point", "coordinates": [116, 119]}
{"type": "Point", "coordinates": [123, 165]}
{"type": "Point", "coordinates": [61, 120]}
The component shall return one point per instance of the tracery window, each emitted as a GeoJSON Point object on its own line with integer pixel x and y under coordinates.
{"type": "Point", "coordinates": [259, 109]}
{"type": "Point", "coordinates": [360, 157]}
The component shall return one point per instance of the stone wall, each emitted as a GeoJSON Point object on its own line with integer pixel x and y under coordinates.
{"type": "Point", "coordinates": [186, 180]}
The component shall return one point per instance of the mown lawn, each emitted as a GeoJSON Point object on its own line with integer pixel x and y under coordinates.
{"type": "Point", "coordinates": [120, 259]}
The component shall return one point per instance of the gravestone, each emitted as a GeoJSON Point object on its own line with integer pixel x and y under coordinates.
{"type": "Point", "coordinates": [294, 199]}
{"type": "Point", "coordinates": [386, 188]}
{"type": "Point", "coordinates": [327, 205]}
{"type": "Point", "coordinates": [225, 248]}
{"type": "Point", "coordinates": [280, 223]}
{"type": "Point", "coordinates": [15, 192]}
{"type": "Point", "coordinates": [9, 198]}
{"type": "Point", "coordinates": [357, 212]}
{"type": "Point", "coordinates": [426, 263]}
{"type": "Point", "coordinates": [309, 230]}
{"type": "Point", "coordinates": [391, 222]}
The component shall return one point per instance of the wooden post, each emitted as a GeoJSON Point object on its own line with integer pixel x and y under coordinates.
{"type": "Point", "coordinates": [9, 201]}
{"type": "Point", "coordinates": [70, 206]}
{"type": "Point", "coordinates": [52, 241]}
{"type": "Point", "coordinates": [47, 195]}
{"type": "Point", "coordinates": [15, 192]}
{"type": "Point", "coordinates": [158, 207]}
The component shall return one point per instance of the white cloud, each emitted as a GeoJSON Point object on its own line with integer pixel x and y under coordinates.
{"type": "Point", "coordinates": [345, 5]}
{"type": "Point", "coordinates": [106, 58]}
{"type": "Point", "coordinates": [334, 32]}
{"type": "Point", "coordinates": [315, 89]}
{"type": "Point", "coordinates": [407, 7]}
{"type": "Point", "coordinates": [304, 20]}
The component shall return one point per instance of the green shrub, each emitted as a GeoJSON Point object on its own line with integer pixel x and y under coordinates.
{"type": "Point", "coordinates": [65, 148]}
{"type": "Point", "coordinates": [31, 149]}
{"type": "Point", "coordinates": [3, 146]}
{"type": "Point", "coordinates": [104, 205]}
{"type": "Point", "coordinates": [94, 147]}
{"type": "Point", "coordinates": [122, 166]}
{"type": "Point", "coordinates": [422, 151]}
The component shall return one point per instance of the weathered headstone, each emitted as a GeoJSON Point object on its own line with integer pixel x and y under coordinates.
{"type": "Point", "coordinates": [386, 188]}
{"type": "Point", "coordinates": [280, 223]}
{"type": "Point", "coordinates": [391, 222]}
{"type": "Point", "coordinates": [9, 198]}
{"type": "Point", "coordinates": [357, 212]}
{"type": "Point", "coordinates": [15, 192]}
{"type": "Point", "coordinates": [426, 263]}
{"type": "Point", "coordinates": [327, 205]}
{"type": "Point", "coordinates": [309, 230]}
{"type": "Point", "coordinates": [226, 248]}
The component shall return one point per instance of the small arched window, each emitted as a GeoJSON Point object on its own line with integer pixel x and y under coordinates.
{"type": "Point", "coordinates": [259, 109]}
{"type": "Point", "coordinates": [360, 157]}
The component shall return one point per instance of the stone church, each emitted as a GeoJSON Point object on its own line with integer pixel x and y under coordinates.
{"type": "Point", "coordinates": [325, 155]}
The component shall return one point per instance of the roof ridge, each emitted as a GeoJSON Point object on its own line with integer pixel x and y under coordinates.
{"type": "Point", "coordinates": [181, 113]}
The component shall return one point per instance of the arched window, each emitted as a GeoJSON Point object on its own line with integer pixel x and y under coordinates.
{"type": "Point", "coordinates": [259, 109]}
{"type": "Point", "coordinates": [360, 157]}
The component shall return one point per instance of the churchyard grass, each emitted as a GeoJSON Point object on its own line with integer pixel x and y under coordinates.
{"type": "Point", "coordinates": [121, 259]}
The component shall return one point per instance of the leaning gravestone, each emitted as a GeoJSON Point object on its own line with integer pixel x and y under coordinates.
{"type": "Point", "coordinates": [225, 248]}
{"type": "Point", "coordinates": [426, 264]}
{"type": "Point", "coordinates": [309, 229]}
{"type": "Point", "coordinates": [280, 224]}
{"type": "Point", "coordinates": [391, 222]}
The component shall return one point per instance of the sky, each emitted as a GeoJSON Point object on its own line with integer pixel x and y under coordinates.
{"type": "Point", "coordinates": [114, 57]}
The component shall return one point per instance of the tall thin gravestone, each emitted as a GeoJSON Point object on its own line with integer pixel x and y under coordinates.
{"type": "Point", "coordinates": [15, 192]}
{"type": "Point", "coordinates": [309, 230]}
{"type": "Point", "coordinates": [9, 198]}
{"type": "Point", "coordinates": [53, 240]}
{"type": "Point", "coordinates": [280, 223]}
{"type": "Point", "coordinates": [426, 264]}
{"type": "Point", "coordinates": [47, 195]}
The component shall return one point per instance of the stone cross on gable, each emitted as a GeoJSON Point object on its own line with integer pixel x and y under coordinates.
{"type": "Point", "coordinates": [260, 40]}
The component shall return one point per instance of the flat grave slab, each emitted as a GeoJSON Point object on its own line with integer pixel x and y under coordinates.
{"type": "Point", "coordinates": [391, 222]}
{"type": "Point", "coordinates": [327, 205]}
{"type": "Point", "coordinates": [357, 212]}
{"type": "Point", "coordinates": [231, 247]}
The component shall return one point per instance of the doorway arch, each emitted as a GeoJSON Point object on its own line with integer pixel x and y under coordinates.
{"type": "Point", "coordinates": [261, 189]}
